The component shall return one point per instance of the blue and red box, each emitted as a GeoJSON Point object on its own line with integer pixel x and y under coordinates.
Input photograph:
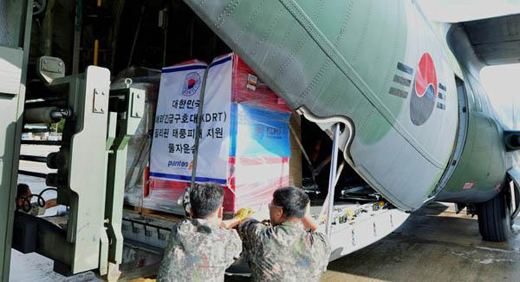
{"type": "Point", "coordinates": [259, 147]}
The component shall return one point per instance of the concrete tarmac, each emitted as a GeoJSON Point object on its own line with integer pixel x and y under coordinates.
{"type": "Point", "coordinates": [434, 244]}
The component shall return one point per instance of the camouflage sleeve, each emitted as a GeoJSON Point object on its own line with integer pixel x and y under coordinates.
{"type": "Point", "coordinates": [322, 246]}
{"type": "Point", "coordinates": [235, 245]}
{"type": "Point", "coordinates": [250, 231]}
{"type": "Point", "coordinates": [164, 273]}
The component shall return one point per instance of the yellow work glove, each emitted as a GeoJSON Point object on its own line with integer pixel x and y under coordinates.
{"type": "Point", "coordinates": [243, 213]}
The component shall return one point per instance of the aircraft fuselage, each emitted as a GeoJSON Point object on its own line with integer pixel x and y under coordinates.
{"type": "Point", "coordinates": [423, 126]}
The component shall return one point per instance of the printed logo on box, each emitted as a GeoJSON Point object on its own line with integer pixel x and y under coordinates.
{"type": "Point", "coordinates": [191, 84]}
{"type": "Point", "coordinates": [252, 81]}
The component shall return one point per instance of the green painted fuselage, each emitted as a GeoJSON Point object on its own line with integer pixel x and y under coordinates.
{"type": "Point", "coordinates": [423, 126]}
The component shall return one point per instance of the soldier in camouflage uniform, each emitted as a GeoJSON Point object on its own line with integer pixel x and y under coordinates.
{"type": "Point", "coordinates": [286, 251]}
{"type": "Point", "coordinates": [199, 249]}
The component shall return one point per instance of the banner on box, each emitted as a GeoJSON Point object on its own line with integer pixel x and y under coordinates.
{"type": "Point", "coordinates": [176, 119]}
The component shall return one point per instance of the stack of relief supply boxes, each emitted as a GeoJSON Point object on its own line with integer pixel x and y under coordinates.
{"type": "Point", "coordinates": [245, 138]}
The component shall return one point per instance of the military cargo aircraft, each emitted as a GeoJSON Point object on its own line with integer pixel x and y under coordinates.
{"type": "Point", "coordinates": [401, 97]}
{"type": "Point", "coordinates": [418, 125]}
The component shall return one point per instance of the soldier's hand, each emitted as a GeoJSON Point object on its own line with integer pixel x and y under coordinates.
{"type": "Point", "coordinates": [243, 214]}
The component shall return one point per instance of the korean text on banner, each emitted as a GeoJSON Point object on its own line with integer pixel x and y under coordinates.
{"type": "Point", "coordinates": [176, 119]}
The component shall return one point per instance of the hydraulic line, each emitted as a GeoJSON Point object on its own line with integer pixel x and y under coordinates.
{"type": "Point", "coordinates": [30, 158]}
{"type": "Point", "coordinates": [42, 143]}
{"type": "Point", "coordinates": [45, 115]}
